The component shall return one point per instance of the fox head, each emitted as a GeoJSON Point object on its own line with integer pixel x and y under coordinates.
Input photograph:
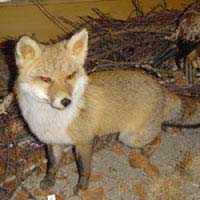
{"type": "Point", "coordinates": [54, 73]}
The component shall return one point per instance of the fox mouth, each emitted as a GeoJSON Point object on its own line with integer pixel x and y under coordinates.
{"type": "Point", "coordinates": [58, 107]}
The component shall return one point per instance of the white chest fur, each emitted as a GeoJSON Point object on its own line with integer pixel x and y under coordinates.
{"type": "Point", "coordinates": [47, 123]}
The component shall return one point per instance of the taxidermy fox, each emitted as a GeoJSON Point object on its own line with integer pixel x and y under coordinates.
{"type": "Point", "coordinates": [63, 105]}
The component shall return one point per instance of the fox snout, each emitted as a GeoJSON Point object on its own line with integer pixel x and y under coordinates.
{"type": "Point", "coordinates": [60, 94]}
{"type": "Point", "coordinates": [60, 102]}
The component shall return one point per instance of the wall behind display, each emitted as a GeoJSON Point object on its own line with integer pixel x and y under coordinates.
{"type": "Point", "coordinates": [24, 18]}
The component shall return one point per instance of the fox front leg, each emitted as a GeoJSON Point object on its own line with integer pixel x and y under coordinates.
{"type": "Point", "coordinates": [83, 160]}
{"type": "Point", "coordinates": [53, 156]}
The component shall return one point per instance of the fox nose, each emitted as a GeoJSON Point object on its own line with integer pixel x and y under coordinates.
{"type": "Point", "coordinates": [65, 102]}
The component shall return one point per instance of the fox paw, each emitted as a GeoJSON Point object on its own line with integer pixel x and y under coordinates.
{"type": "Point", "coordinates": [47, 182]}
{"type": "Point", "coordinates": [75, 190]}
{"type": "Point", "coordinates": [80, 186]}
{"type": "Point", "coordinates": [78, 189]}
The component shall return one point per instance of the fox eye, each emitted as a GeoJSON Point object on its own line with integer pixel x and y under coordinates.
{"type": "Point", "coordinates": [71, 76]}
{"type": "Point", "coordinates": [45, 79]}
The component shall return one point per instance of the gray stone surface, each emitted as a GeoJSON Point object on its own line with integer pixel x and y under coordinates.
{"type": "Point", "coordinates": [117, 172]}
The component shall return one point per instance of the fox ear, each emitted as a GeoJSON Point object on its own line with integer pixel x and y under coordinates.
{"type": "Point", "coordinates": [27, 50]}
{"type": "Point", "coordinates": [78, 45]}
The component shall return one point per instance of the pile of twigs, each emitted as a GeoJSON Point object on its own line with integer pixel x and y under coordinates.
{"type": "Point", "coordinates": [135, 43]}
{"type": "Point", "coordinates": [127, 43]}
{"type": "Point", "coordinates": [18, 152]}
{"type": "Point", "coordinates": [8, 69]}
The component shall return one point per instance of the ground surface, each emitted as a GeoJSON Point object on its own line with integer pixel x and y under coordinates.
{"type": "Point", "coordinates": [113, 178]}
